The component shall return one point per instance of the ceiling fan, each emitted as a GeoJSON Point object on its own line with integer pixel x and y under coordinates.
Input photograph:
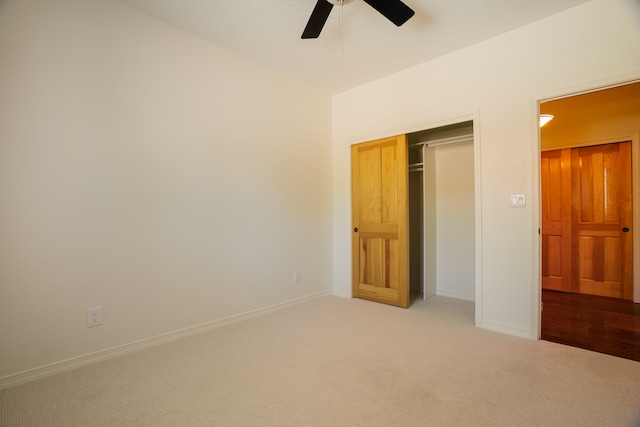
{"type": "Point", "coordinates": [394, 10]}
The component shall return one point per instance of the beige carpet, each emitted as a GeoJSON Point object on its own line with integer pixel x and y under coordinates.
{"type": "Point", "coordinates": [341, 362]}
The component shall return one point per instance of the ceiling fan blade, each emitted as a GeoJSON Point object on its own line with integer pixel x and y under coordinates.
{"type": "Point", "coordinates": [317, 19]}
{"type": "Point", "coordinates": [394, 10]}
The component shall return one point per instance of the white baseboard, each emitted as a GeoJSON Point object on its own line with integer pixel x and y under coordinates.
{"type": "Point", "coordinates": [456, 295]}
{"type": "Point", "coordinates": [87, 359]}
{"type": "Point", "coordinates": [506, 329]}
{"type": "Point", "coordinates": [342, 294]}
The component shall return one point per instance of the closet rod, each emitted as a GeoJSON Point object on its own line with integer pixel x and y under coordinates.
{"type": "Point", "coordinates": [444, 141]}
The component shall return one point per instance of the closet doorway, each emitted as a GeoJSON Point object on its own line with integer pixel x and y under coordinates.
{"type": "Point", "coordinates": [442, 212]}
{"type": "Point", "coordinates": [413, 206]}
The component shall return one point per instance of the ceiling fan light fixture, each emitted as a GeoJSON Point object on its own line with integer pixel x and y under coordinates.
{"type": "Point", "coordinates": [545, 118]}
{"type": "Point", "coordinates": [339, 2]}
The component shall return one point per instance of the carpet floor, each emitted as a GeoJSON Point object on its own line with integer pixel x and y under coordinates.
{"type": "Point", "coordinates": [341, 362]}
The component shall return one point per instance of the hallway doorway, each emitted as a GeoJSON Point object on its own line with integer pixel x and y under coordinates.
{"type": "Point", "coordinates": [581, 304]}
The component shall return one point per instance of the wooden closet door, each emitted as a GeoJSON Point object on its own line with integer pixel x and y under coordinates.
{"type": "Point", "coordinates": [380, 221]}
{"type": "Point", "coordinates": [601, 181]}
{"type": "Point", "coordinates": [557, 257]}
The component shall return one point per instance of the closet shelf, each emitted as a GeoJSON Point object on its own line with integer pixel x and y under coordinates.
{"type": "Point", "coordinates": [442, 141]}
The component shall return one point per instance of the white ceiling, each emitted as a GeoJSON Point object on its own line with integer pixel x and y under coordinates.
{"type": "Point", "coordinates": [357, 44]}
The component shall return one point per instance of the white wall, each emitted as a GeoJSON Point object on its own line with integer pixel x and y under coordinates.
{"type": "Point", "coordinates": [149, 172]}
{"type": "Point", "coordinates": [455, 216]}
{"type": "Point", "coordinates": [500, 81]}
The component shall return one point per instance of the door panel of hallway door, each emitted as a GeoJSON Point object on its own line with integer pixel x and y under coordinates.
{"type": "Point", "coordinates": [380, 206]}
{"type": "Point", "coordinates": [557, 260]}
{"type": "Point", "coordinates": [602, 214]}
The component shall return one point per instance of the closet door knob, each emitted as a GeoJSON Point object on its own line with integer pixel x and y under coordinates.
{"type": "Point", "coordinates": [625, 230]}
{"type": "Point", "coordinates": [355, 230]}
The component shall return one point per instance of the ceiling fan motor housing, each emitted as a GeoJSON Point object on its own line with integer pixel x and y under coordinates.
{"type": "Point", "coordinates": [394, 10]}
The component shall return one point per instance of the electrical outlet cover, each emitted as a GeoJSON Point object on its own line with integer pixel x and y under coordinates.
{"type": "Point", "coordinates": [94, 316]}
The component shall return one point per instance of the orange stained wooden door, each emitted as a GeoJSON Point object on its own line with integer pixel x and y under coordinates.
{"type": "Point", "coordinates": [602, 213]}
{"type": "Point", "coordinates": [380, 206]}
{"type": "Point", "coordinates": [555, 177]}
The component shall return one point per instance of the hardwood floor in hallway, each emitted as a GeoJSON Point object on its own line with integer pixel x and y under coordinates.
{"type": "Point", "coordinates": [605, 325]}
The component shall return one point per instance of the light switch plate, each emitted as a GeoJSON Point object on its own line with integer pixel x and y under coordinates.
{"type": "Point", "coordinates": [517, 200]}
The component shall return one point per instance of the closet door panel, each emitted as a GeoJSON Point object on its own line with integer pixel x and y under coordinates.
{"type": "Point", "coordinates": [380, 221]}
